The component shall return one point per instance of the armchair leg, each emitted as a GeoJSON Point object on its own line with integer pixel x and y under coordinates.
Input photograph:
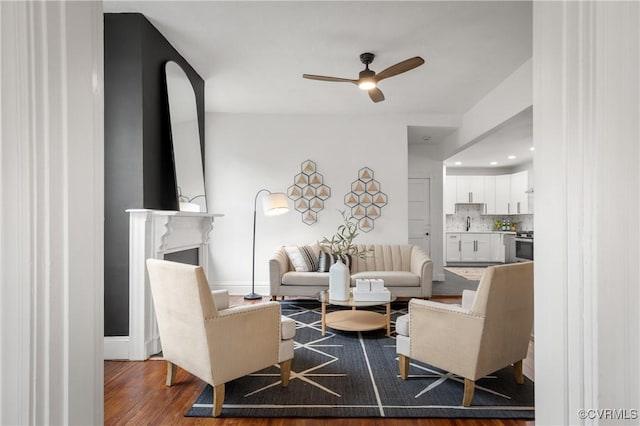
{"type": "Point", "coordinates": [218, 399]}
{"type": "Point", "coordinates": [517, 372]}
{"type": "Point", "coordinates": [469, 388]}
{"type": "Point", "coordinates": [285, 372]}
{"type": "Point", "coordinates": [403, 363]}
{"type": "Point", "coordinates": [171, 373]}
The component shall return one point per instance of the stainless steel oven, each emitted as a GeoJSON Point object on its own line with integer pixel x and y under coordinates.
{"type": "Point", "coordinates": [524, 247]}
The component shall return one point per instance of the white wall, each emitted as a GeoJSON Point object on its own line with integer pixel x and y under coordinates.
{"type": "Point", "coordinates": [51, 213]}
{"type": "Point", "coordinates": [586, 133]}
{"type": "Point", "coordinates": [247, 152]}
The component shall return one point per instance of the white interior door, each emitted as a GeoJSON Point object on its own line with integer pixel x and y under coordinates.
{"type": "Point", "coordinates": [419, 213]}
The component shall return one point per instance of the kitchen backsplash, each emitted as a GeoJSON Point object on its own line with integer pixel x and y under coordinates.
{"type": "Point", "coordinates": [458, 221]}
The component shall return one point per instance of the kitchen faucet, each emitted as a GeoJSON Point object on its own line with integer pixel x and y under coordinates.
{"type": "Point", "coordinates": [468, 223]}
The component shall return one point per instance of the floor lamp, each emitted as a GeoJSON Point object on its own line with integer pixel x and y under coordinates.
{"type": "Point", "coordinates": [273, 204]}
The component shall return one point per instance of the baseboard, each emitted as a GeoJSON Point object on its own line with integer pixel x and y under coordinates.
{"type": "Point", "coordinates": [116, 347]}
{"type": "Point", "coordinates": [239, 288]}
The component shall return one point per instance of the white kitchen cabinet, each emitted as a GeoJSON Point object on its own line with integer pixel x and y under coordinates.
{"type": "Point", "coordinates": [450, 184]}
{"type": "Point", "coordinates": [483, 248]}
{"type": "Point", "coordinates": [470, 189]}
{"type": "Point", "coordinates": [453, 247]}
{"type": "Point", "coordinates": [503, 194]}
{"type": "Point", "coordinates": [476, 189]}
{"type": "Point", "coordinates": [469, 247]}
{"type": "Point", "coordinates": [518, 195]}
{"type": "Point", "coordinates": [475, 247]}
{"type": "Point", "coordinates": [498, 252]}
{"type": "Point", "coordinates": [462, 189]}
{"type": "Point", "coordinates": [490, 194]}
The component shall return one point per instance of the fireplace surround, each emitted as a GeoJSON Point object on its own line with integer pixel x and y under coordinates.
{"type": "Point", "coordinates": [153, 234]}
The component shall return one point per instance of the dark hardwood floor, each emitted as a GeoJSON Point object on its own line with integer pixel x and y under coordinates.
{"type": "Point", "coordinates": [134, 393]}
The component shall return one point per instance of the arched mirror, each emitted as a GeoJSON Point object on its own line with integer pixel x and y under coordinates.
{"type": "Point", "coordinates": [185, 137]}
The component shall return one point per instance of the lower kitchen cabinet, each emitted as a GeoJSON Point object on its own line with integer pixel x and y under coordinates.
{"type": "Point", "coordinates": [453, 247]}
{"type": "Point", "coordinates": [498, 247]}
{"type": "Point", "coordinates": [474, 247]}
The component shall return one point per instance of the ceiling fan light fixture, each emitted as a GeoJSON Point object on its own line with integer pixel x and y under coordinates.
{"type": "Point", "coordinates": [368, 79]}
{"type": "Point", "coordinates": [367, 83]}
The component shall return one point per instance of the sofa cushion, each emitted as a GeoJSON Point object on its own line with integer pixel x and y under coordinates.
{"type": "Point", "coordinates": [391, 278]}
{"type": "Point", "coordinates": [306, 278]}
{"type": "Point", "coordinates": [325, 260]}
{"type": "Point", "coordinates": [385, 257]}
{"type": "Point", "coordinates": [303, 258]}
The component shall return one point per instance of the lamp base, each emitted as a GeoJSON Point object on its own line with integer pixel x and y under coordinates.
{"type": "Point", "coordinates": [252, 296]}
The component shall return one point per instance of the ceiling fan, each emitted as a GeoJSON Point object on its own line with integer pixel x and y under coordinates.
{"type": "Point", "coordinates": [368, 79]}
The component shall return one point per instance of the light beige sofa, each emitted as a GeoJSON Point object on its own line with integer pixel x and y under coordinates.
{"type": "Point", "coordinates": [406, 271]}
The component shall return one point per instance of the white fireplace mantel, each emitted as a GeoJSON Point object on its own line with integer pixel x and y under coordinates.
{"type": "Point", "coordinates": [152, 234]}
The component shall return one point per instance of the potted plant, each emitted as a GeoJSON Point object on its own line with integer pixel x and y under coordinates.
{"type": "Point", "coordinates": [341, 246]}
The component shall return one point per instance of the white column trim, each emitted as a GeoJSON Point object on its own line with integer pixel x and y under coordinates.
{"type": "Point", "coordinates": [15, 228]}
{"type": "Point", "coordinates": [586, 132]}
{"type": "Point", "coordinates": [51, 217]}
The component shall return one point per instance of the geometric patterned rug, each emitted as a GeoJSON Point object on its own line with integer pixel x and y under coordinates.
{"type": "Point", "coordinates": [355, 374]}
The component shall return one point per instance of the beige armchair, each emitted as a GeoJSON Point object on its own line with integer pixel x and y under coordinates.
{"type": "Point", "coordinates": [200, 333]}
{"type": "Point", "coordinates": [491, 330]}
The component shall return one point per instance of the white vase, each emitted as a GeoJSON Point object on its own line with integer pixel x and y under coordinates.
{"type": "Point", "coordinates": [339, 281]}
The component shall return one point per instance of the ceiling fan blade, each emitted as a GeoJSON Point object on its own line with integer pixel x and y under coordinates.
{"type": "Point", "coordinates": [324, 78]}
{"type": "Point", "coordinates": [376, 95]}
{"type": "Point", "coordinates": [400, 67]}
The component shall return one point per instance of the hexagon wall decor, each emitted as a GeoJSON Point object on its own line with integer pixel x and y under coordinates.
{"type": "Point", "coordinates": [308, 192]}
{"type": "Point", "coordinates": [365, 199]}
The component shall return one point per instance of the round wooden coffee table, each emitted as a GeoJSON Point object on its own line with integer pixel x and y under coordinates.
{"type": "Point", "coordinates": [352, 319]}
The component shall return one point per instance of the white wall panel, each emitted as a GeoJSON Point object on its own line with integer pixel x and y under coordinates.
{"type": "Point", "coordinates": [51, 220]}
{"type": "Point", "coordinates": [586, 132]}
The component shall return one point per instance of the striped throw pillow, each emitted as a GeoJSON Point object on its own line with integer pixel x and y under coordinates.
{"type": "Point", "coordinates": [303, 258]}
{"type": "Point", "coordinates": [325, 260]}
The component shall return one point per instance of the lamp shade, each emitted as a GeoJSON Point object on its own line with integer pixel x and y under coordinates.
{"type": "Point", "coordinates": [274, 204]}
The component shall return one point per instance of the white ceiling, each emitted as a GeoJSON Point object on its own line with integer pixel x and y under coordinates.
{"type": "Point", "coordinates": [252, 54]}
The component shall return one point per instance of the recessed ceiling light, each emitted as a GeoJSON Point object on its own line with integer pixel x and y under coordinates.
{"type": "Point", "coordinates": [458, 163]}
{"type": "Point", "coordinates": [511, 157]}
{"type": "Point", "coordinates": [533, 148]}
{"type": "Point", "coordinates": [493, 163]}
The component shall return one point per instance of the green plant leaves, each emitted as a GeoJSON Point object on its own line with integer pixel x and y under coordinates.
{"type": "Point", "coordinates": [341, 242]}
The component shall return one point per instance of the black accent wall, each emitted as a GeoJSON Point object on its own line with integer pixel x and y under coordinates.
{"type": "Point", "coordinates": [139, 170]}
